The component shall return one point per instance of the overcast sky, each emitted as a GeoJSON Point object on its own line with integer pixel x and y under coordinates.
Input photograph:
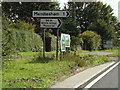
{"type": "Point", "coordinates": [113, 3]}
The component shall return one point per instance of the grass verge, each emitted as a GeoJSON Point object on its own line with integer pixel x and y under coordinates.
{"type": "Point", "coordinates": [41, 73]}
{"type": "Point", "coordinates": [33, 73]}
{"type": "Point", "coordinates": [27, 54]}
{"type": "Point", "coordinates": [106, 51]}
{"type": "Point", "coordinates": [114, 55]}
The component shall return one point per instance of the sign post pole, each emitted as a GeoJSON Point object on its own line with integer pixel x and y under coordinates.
{"type": "Point", "coordinates": [44, 43]}
{"type": "Point", "coordinates": [57, 44]}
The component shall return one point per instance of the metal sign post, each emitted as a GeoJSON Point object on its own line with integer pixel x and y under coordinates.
{"type": "Point", "coordinates": [44, 43]}
{"type": "Point", "coordinates": [57, 44]}
{"type": "Point", "coordinates": [51, 23]}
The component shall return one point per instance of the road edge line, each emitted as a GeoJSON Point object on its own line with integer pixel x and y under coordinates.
{"type": "Point", "coordinates": [102, 75]}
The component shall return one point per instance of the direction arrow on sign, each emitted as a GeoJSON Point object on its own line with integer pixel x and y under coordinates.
{"type": "Point", "coordinates": [50, 13]}
{"type": "Point", "coordinates": [50, 23]}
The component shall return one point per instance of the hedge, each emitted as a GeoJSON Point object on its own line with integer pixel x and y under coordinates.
{"type": "Point", "coordinates": [20, 41]}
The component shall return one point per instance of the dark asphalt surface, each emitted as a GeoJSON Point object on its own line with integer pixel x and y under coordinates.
{"type": "Point", "coordinates": [110, 80]}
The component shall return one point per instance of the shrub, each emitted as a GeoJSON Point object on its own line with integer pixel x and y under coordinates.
{"type": "Point", "coordinates": [86, 60]}
{"type": "Point", "coordinates": [95, 59]}
{"type": "Point", "coordinates": [79, 61]}
{"type": "Point", "coordinates": [19, 37]}
{"type": "Point", "coordinates": [92, 41]}
{"type": "Point", "coordinates": [75, 41]}
{"type": "Point", "coordinates": [21, 41]}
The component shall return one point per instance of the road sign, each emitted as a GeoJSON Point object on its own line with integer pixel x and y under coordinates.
{"type": "Point", "coordinates": [108, 44]}
{"type": "Point", "coordinates": [50, 23]}
{"type": "Point", "coordinates": [63, 49]}
{"type": "Point", "coordinates": [50, 14]}
{"type": "Point", "coordinates": [65, 41]}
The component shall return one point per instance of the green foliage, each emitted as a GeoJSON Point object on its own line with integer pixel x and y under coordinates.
{"type": "Point", "coordinates": [23, 11]}
{"type": "Point", "coordinates": [107, 31]}
{"type": "Point", "coordinates": [22, 25]}
{"type": "Point", "coordinates": [8, 45]}
{"type": "Point", "coordinates": [69, 27]}
{"type": "Point", "coordinates": [92, 41]}
{"type": "Point", "coordinates": [114, 55]}
{"type": "Point", "coordinates": [107, 51]}
{"type": "Point", "coordinates": [53, 42]}
{"type": "Point", "coordinates": [41, 73]}
{"type": "Point", "coordinates": [20, 41]}
{"type": "Point", "coordinates": [86, 60]}
{"type": "Point", "coordinates": [19, 37]}
{"type": "Point", "coordinates": [94, 16]}
{"type": "Point", "coordinates": [75, 41]}
{"type": "Point", "coordinates": [75, 58]}
{"type": "Point", "coordinates": [95, 59]}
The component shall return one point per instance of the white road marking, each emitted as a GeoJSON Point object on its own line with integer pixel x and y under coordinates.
{"type": "Point", "coordinates": [99, 77]}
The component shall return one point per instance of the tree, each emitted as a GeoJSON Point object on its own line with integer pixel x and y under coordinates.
{"type": "Point", "coordinates": [92, 40]}
{"type": "Point", "coordinates": [94, 16]}
{"type": "Point", "coordinates": [76, 41]}
{"type": "Point", "coordinates": [23, 11]}
{"type": "Point", "coordinates": [107, 31]}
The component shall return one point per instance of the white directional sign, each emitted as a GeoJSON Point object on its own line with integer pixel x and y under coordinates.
{"type": "Point", "coordinates": [50, 23]}
{"type": "Point", "coordinates": [50, 13]}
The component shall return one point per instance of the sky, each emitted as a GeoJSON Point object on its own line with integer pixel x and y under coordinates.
{"type": "Point", "coordinates": [112, 3]}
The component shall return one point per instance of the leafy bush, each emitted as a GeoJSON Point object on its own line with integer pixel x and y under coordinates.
{"type": "Point", "coordinates": [20, 41]}
{"type": "Point", "coordinates": [22, 25]}
{"type": "Point", "coordinates": [75, 41]}
{"type": "Point", "coordinates": [86, 60]}
{"type": "Point", "coordinates": [19, 37]}
{"type": "Point", "coordinates": [92, 41]}
{"type": "Point", "coordinates": [79, 61]}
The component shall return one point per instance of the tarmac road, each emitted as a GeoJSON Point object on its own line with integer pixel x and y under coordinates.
{"type": "Point", "coordinates": [111, 80]}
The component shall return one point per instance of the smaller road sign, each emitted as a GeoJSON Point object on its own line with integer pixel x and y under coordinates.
{"type": "Point", "coordinates": [50, 14]}
{"type": "Point", "coordinates": [50, 23]}
{"type": "Point", "coordinates": [65, 41]}
{"type": "Point", "coordinates": [63, 49]}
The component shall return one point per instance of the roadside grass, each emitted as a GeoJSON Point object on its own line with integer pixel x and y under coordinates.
{"type": "Point", "coordinates": [24, 54]}
{"type": "Point", "coordinates": [41, 73]}
{"type": "Point", "coordinates": [85, 51]}
{"type": "Point", "coordinates": [27, 54]}
{"type": "Point", "coordinates": [53, 52]}
{"type": "Point", "coordinates": [114, 55]}
{"type": "Point", "coordinates": [93, 60]}
{"type": "Point", "coordinates": [106, 51]}
{"type": "Point", "coordinates": [1, 79]}
{"type": "Point", "coordinates": [33, 73]}
{"type": "Point", "coordinates": [80, 51]}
